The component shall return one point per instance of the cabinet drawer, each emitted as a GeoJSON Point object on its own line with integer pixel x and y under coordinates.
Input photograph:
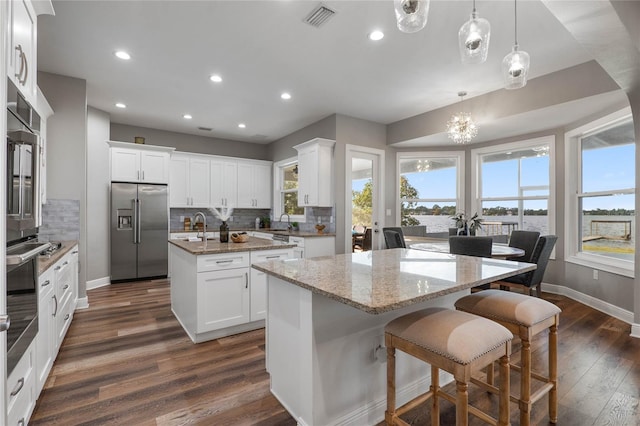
{"type": "Point", "coordinates": [21, 390]}
{"type": "Point", "coordinates": [217, 262]}
{"type": "Point", "coordinates": [266, 255]}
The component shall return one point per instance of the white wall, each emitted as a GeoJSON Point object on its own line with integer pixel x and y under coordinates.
{"type": "Point", "coordinates": [97, 206]}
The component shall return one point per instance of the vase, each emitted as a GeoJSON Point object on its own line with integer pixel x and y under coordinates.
{"type": "Point", "coordinates": [463, 231]}
{"type": "Point", "coordinates": [224, 232]}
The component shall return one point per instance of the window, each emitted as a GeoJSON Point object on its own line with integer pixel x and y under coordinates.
{"type": "Point", "coordinates": [286, 190]}
{"type": "Point", "coordinates": [601, 194]}
{"type": "Point", "coordinates": [514, 187]}
{"type": "Point", "coordinates": [430, 189]}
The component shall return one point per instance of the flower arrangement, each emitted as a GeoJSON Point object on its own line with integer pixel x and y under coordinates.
{"type": "Point", "coordinates": [467, 225]}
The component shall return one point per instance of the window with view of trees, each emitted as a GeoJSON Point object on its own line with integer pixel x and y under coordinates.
{"type": "Point", "coordinates": [286, 190]}
{"type": "Point", "coordinates": [430, 189]}
{"type": "Point", "coordinates": [514, 186]}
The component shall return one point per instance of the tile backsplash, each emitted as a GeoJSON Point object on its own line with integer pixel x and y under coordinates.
{"type": "Point", "coordinates": [60, 220]}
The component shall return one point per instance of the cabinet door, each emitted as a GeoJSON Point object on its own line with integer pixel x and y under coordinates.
{"type": "Point", "coordinates": [223, 299]}
{"type": "Point", "coordinates": [199, 181]}
{"type": "Point", "coordinates": [46, 338]}
{"type": "Point", "coordinates": [259, 280]}
{"type": "Point", "coordinates": [246, 196]}
{"type": "Point", "coordinates": [22, 48]}
{"type": "Point", "coordinates": [262, 186]}
{"type": "Point", "coordinates": [179, 181]}
{"type": "Point", "coordinates": [154, 167]}
{"type": "Point", "coordinates": [307, 177]}
{"type": "Point", "coordinates": [224, 183]}
{"type": "Point", "coordinates": [125, 165]}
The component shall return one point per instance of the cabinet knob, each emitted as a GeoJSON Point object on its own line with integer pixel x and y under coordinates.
{"type": "Point", "coordinates": [5, 322]}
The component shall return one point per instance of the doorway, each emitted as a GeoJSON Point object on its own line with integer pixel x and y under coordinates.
{"type": "Point", "coordinates": [364, 198]}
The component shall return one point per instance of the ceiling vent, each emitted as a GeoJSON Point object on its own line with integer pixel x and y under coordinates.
{"type": "Point", "coordinates": [319, 16]}
{"type": "Point", "coordinates": [206, 129]}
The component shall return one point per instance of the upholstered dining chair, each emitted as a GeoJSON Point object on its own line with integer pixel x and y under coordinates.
{"type": "Point", "coordinates": [533, 279]}
{"type": "Point", "coordinates": [525, 240]}
{"type": "Point", "coordinates": [471, 246]}
{"type": "Point", "coordinates": [393, 239]}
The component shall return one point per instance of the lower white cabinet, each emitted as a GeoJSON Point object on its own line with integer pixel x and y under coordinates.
{"type": "Point", "coordinates": [223, 298]}
{"type": "Point", "coordinates": [259, 281]}
{"type": "Point", "coordinates": [21, 390]}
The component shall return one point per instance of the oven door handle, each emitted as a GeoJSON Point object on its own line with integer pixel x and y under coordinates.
{"type": "Point", "coordinates": [17, 259]}
{"type": "Point", "coordinates": [5, 322]}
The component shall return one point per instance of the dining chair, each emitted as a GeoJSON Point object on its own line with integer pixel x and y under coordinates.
{"type": "Point", "coordinates": [525, 240]}
{"type": "Point", "coordinates": [533, 279]}
{"type": "Point", "coordinates": [357, 239]}
{"type": "Point", "coordinates": [471, 246]}
{"type": "Point", "coordinates": [394, 237]}
{"type": "Point", "coordinates": [366, 242]}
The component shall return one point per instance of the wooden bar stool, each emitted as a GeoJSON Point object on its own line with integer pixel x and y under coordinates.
{"type": "Point", "coordinates": [456, 342]}
{"type": "Point", "coordinates": [525, 316]}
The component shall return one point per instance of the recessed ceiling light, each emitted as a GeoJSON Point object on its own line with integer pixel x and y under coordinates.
{"type": "Point", "coordinates": [122, 55]}
{"type": "Point", "coordinates": [187, 117]}
{"type": "Point", "coordinates": [215, 78]}
{"type": "Point", "coordinates": [120, 105]}
{"type": "Point", "coordinates": [242, 125]}
{"type": "Point", "coordinates": [376, 35]}
{"type": "Point", "coordinates": [286, 96]}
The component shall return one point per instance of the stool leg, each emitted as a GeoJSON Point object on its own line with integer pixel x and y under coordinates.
{"type": "Point", "coordinates": [462, 403]}
{"type": "Point", "coordinates": [525, 383]}
{"type": "Point", "coordinates": [391, 383]}
{"type": "Point", "coordinates": [435, 403]}
{"type": "Point", "coordinates": [490, 374]}
{"type": "Point", "coordinates": [503, 404]}
{"type": "Point", "coordinates": [553, 373]}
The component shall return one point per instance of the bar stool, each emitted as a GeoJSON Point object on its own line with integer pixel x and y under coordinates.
{"type": "Point", "coordinates": [456, 342]}
{"type": "Point", "coordinates": [524, 316]}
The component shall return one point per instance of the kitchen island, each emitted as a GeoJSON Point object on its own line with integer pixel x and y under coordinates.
{"type": "Point", "coordinates": [214, 293]}
{"type": "Point", "coordinates": [325, 326]}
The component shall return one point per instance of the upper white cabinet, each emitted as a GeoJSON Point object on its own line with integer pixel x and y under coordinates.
{"type": "Point", "coordinates": [22, 52]}
{"type": "Point", "coordinates": [139, 163]}
{"type": "Point", "coordinates": [224, 182]}
{"type": "Point", "coordinates": [254, 184]}
{"type": "Point", "coordinates": [315, 173]}
{"type": "Point", "coordinates": [189, 180]}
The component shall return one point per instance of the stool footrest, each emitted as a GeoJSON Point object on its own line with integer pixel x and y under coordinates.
{"type": "Point", "coordinates": [541, 392]}
{"type": "Point", "coordinates": [410, 405]}
{"type": "Point", "coordinates": [472, 410]}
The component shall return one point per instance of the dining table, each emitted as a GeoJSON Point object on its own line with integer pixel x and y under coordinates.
{"type": "Point", "coordinates": [325, 326]}
{"type": "Point", "coordinates": [498, 250]}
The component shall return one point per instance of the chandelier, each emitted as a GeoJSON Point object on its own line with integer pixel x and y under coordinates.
{"type": "Point", "coordinates": [460, 127]}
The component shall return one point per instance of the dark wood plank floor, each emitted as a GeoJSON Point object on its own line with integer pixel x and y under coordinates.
{"type": "Point", "coordinates": [127, 361]}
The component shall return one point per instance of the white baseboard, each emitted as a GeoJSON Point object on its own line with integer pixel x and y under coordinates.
{"type": "Point", "coordinates": [100, 282]}
{"type": "Point", "coordinates": [83, 303]}
{"type": "Point", "coordinates": [595, 303]}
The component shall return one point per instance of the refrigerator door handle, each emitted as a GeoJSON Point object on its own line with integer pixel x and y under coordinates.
{"type": "Point", "coordinates": [134, 219]}
{"type": "Point", "coordinates": [138, 227]}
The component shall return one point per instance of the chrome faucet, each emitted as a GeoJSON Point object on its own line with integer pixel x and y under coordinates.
{"type": "Point", "coordinates": [288, 221]}
{"type": "Point", "coordinates": [204, 225]}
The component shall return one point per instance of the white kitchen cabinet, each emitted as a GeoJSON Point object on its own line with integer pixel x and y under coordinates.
{"type": "Point", "coordinates": [46, 341]}
{"type": "Point", "coordinates": [139, 163]}
{"type": "Point", "coordinates": [45, 111]}
{"type": "Point", "coordinates": [259, 281]}
{"type": "Point", "coordinates": [21, 389]}
{"type": "Point", "coordinates": [223, 299]}
{"type": "Point", "coordinates": [22, 48]}
{"type": "Point", "coordinates": [313, 246]}
{"type": "Point", "coordinates": [315, 173]}
{"type": "Point", "coordinates": [189, 182]}
{"type": "Point", "coordinates": [254, 184]}
{"type": "Point", "coordinates": [224, 182]}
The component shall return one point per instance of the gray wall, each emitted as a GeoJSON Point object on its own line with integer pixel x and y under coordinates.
{"type": "Point", "coordinates": [190, 143]}
{"type": "Point", "coordinates": [283, 148]}
{"type": "Point", "coordinates": [98, 195]}
{"type": "Point", "coordinates": [66, 150]}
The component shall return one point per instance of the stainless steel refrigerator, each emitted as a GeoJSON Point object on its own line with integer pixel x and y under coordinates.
{"type": "Point", "coordinates": [139, 231]}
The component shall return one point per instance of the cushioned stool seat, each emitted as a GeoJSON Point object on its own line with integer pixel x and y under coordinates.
{"type": "Point", "coordinates": [456, 342]}
{"type": "Point", "coordinates": [524, 316]}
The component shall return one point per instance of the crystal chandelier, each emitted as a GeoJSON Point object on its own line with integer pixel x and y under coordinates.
{"type": "Point", "coordinates": [473, 39]}
{"type": "Point", "coordinates": [515, 66]}
{"type": "Point", "coordinates": [460, 127]}
{"type": "Point", "coordinates": [411, 15]}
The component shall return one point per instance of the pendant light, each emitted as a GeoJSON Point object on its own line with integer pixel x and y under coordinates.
{"type": "Point", "coordinates": [411, 15]}
{"type": "Point", "coordinates": [460, 127]}
{"type": "Point", "coordinates": [515, 66]}
{"type": "Point", "coordinates": [473, 39]}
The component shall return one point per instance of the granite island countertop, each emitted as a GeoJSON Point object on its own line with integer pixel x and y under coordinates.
{"type": "Point", "coordinates": [384, 280]}
{"type": "Point", "coordinates": [45, 262]}
{"type": "Point", "coordinates": [303, 234]}
{"type": "Point", "coordinates": [214, 246]}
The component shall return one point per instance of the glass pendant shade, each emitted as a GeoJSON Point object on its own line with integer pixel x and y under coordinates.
{"type": "Point", "coordinates": [473, 40]}
{"type": "Point", "coordinates": [515, 68]}
{"type": "Point", "coordinates": [411, 15]}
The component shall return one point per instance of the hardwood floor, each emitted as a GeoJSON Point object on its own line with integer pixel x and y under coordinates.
{"type": "Point", "coordinates": [127, 361]}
